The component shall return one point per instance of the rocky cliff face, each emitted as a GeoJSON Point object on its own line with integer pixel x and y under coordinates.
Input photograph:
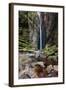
{"type": "Point", "coordinates": [29, 29]}
{"type": "Point", "coordinates": [49, 27]}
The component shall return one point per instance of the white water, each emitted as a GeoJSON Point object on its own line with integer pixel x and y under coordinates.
{"type": "Point", "coordinates": [40, 32]}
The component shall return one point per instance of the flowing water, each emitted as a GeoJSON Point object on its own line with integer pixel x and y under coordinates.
{"type": "Point", "coordinates": [39, 14]}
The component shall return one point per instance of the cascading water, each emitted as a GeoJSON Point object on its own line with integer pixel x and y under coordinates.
{"type": "Point", "coordinates": [40, 31]}
{"type": "Point", "coordinates": [38, 53]}
{"type": "Point", "coordinates": [40, 34]}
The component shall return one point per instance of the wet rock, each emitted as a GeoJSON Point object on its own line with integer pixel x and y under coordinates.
{"type": "Point", "coordinates": [53, 73]}
{"type": "Point", "coordinates": [24, 76]}
{"type": "Point", "coordinates": [27, 64]}
{"type": "Point", "coordinates": [38, 62]}
{"type": "Point", "coordinates": [49, 68]}
{"type": "Point", "coordinates": [55, 67]}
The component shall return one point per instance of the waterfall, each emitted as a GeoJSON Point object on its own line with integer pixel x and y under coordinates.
{"type": "Point", "coordinates": [40, 31]}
